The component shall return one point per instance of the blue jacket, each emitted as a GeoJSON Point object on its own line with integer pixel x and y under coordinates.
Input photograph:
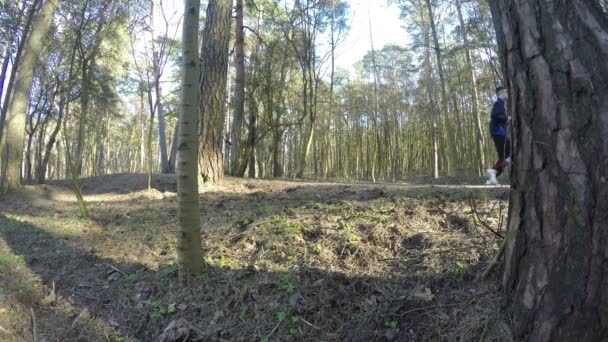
{"type": "Point", "coordinates": [498, 122]}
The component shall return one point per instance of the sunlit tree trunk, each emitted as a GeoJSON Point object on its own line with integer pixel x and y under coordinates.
{"type": "Point", "coordinates": [474, 89]}
{"type": "Point", "coordinates": [556, 272]}
{"type": "Point", "coordinates": [15, 67]}
{"type": "Point", "coordinates": [189, 249]}
{"type": "Point", "coordinates": [214, 70]}
{"type": "Point", "coordinates": [239, 90]}
{"type": "Point", "coordinates": [15, 125]}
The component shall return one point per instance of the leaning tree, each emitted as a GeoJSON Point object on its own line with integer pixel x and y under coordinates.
{"type": "Point", "coordinates": [556, 262]}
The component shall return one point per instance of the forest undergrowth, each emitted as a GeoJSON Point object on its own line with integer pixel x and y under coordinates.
{"type": "Point", "coordinates": [285, 261]}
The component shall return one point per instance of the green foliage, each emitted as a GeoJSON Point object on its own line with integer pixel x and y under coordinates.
{"type": "Point", "coordinates": [161, 310]}
{"type": "Point", "coordinates": [293, 228]}
{"type": "Point", "coordinates": [391, 324]}
{"type": "Point", "coordinates": [281, 316]}
{"type": "Point", "coordinates": [285, 285]}
{"type": "Point", "coordinates": [317, 249]}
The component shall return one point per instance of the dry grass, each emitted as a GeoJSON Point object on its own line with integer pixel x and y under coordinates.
{"type": "Point", "coordinates": [285, 261]}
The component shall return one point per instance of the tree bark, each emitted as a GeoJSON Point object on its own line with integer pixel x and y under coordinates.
{"type": "Point", "coordinates": [556, 269]}
{"type": "Point", "coordinates": [478, 130]}
{"type": "Point", "coordinates": [173, 153]}
{"type": "Point", "coordinates": [442, 82]}
{"type": "Point", "coordinates": [189, 249]}
{"type": "Point", "coordinates": [15, 130]}
{"type": "Point", "coordinates": [162, 136]}
{"type": "Point", "coordinates": [239, 90]}
{"type": "Point", "coordinates": [15, 68]}
{"type": "Point", "coordinates": [214, 70]}
{"type": "Point", "coordinates": [51, 142]}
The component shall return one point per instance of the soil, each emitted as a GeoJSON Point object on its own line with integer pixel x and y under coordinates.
{"type": "Point", "coordinates": [285, 261]}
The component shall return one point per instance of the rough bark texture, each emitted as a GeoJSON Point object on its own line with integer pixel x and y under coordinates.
{"type": "Point", "coordinates": [15, 129]}
{"type": "Point", "coordinates": [214, 71]}
{"type": "Point", "coordinates": [556, 255]}
{"type": "Point", "coordinates": [189, 250]}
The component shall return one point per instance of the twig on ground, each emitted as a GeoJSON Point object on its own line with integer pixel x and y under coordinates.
{"type": "Point", "coordinates": [427, 308]}
{"type": "Point", "coordinates": [115, 268]}
{"type": "Point", "coordinates": [495, 261]}
{"type": "Point", "coordinates": [273, 330]}
{"type": "Point", "coordinates": [474, 207]}
{"type": "Point", "coordinates": [309, 324]}
{"type": "Point", "coordinates": [81, 295]}
{"type": "Point", "coordinates": [34, 328]}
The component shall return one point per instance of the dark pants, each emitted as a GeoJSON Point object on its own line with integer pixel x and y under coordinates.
{"type": "Point", "coordinates": [503, 147]}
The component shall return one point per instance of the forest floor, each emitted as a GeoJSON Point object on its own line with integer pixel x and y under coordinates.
{"type": "Point", "coordinates": [285, 261]}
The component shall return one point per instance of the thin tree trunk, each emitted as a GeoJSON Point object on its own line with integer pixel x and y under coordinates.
{"type": "Point", "coordinates": [478, 130]}
{"type": "Point", "coordinates": [162, 136]}
{"type": "Point", "coordinates": [189, 250]}
{"type": "Point", "coordinates": [84, 108]}
{"type": "Point", "coordinates": [239, 90]}
{"type": "Point", "coordinates": [444, 96]}
{"type": "Point", "coordinates": [51, 142]}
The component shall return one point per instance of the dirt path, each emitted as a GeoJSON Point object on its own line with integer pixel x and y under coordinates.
{"type": "Point", "coordinates": [302, 261]}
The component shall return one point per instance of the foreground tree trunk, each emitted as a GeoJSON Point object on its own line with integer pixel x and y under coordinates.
{"type": "Point", "coordinates": [214, 71]}
{"type": "Point", "coordinates": [556, 254]}
{"type": "Point", "coordinates": [189, 250]}
{"type": "Point", "coordinates": [17, 110]}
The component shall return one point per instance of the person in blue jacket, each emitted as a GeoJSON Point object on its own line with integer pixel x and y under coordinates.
{"type": "Point", "coordinates": [498, 129]}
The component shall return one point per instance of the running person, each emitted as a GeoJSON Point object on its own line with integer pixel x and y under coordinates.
{"type": "Point", "coordinates": [498, 129]}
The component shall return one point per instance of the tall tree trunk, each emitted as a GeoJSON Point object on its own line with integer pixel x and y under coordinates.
{"type": "Point", "coordinates": [434, 110]}
{"type": "Point", "coordinates": [444, 96]}
{"type": "Point", "coordinates": [474, 87]}
{"type": "Point", "coordinates": [239, 90]}
{"type": "Point", "coordinates": [15, 68]}
{"type": "Point", "coordinates": [189, 249]}
{"type": "Point", "coordinates": [142, 133]}
{"type": "Point", "coordinates": [556, 270]}
{"type": "Point", "coordinates": [84, 109]}
{"type": "Point", "coordinates": [214, 70]}
{"type": "Point", "coordinates": [15, 130]}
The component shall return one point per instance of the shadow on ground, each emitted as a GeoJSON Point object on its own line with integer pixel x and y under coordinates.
{"type": "Point", "coordinates": [293, 261]}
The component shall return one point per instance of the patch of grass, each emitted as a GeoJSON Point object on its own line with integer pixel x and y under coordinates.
{"type": "Point", "coordinates": [391, 324]}
{"type": "Point", "coordinates": [346, 226]}
{"type": "Point", "coordinates": [293, 228]}
{"type": "Point", "coordinates": [223, 262]}
{"type": "Point", "coordinates": [133, 277]}
{"type": "Point", "coordinates": [245, 221]}
{"type": "Point", "coordinates": [263, 209]}
{"type": "Point", "coordinates": [160, 310]}
{"type": "Point", "coordinates": [216, 300]}
{"type": "Point", "coordinates": [346, 204]}
{"type": "Point", "coordinates": [317, 249]}
{"type": "Point", "coordinates": [284, 284]}
{"type": "Point", "coordinates": [315, 205]}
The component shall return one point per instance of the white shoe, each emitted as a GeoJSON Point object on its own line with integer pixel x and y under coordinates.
{"type": "Point", "coordinates": [491, 177]}
{"type": "Point", "coordinates": [508, 160]}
